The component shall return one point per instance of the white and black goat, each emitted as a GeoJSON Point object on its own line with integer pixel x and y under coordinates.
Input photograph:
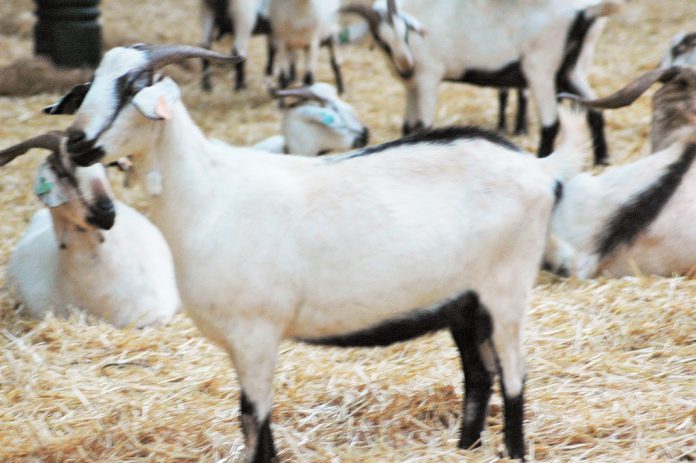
{"type": "Point", "coordinates": [87, 251]}
{"type": "Point", "coordinates": [545, 46]}
{"type": "Point", "coordinates": [304, 25]}
{"type": "Point", "coordinates": [319, 123]}
{"type": "Point", "coordinates": [639, 216]}
{"type": "Point", "coordinates": [439, 230]}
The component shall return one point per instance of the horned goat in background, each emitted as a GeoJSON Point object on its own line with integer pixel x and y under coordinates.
{"type": "Point", "coordinates": [318, 123]}
{"type": "Point", "coordinates": [440, 230]}
{"type": "Point", "coordinates": [86, 251]}
{"type": "Point", "coordinates": [491, 44]}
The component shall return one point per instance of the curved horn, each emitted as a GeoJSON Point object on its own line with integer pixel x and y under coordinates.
{"type": "Point", "coordinates": [162, 55]}
{"type": "Point", "coordinates": [372, 17]}
{"type": "Point", "coordinates": [629, 93]}
{"type": "Point", "coordinates": [303, 92]}
{"type": "Point", "coordinates": [49, 141]}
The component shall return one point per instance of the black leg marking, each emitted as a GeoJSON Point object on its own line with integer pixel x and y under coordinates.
{"type": "Point", "coordinates": [335, 67]}
{"type": "Point", "coordinates": [283, 80]}
{"type": "Point", "coordinates": [514, 418]}
{"type": "Point", "coordinates": [408, 129]}
{"type": "Point", "coordinates": [308, 78]}
{"type": "Point", "coordinates": [502, 109]}
{"type": "Point", "coordinates": [478, 381]}
{"type": "Point", "coordinates": [205, 82]}
{"type": "Point", "coordinates": [257, 433]}
{"type": "Point", "coordinates": [595, 119]}
{"type": "Point", "coordinates": [521, 121]}
{"type": "Point", "coordinates": [240, 82]}
{"type": "Point", "coordinates": [293, 72]}
{"type": "Point", "coordinates": [455, 312]}
{"type": "Point", "coordinates": [271, 53]}
{"type": "Point", "coordinates": [548, 135]}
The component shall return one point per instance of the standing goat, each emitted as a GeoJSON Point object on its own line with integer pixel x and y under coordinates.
{"type": "Point", "coordinates": [440, 230]}
{"type": "Point", "coordinates": [320, 122]}
{"type": "Point", "coordinates": [304, 24]}
{"type": "Point", "coordinates": [86, 251]}
{"type": "Point", "coordinates": [241, 19]}
{"type": "Point", "coordinates": [544, 45]}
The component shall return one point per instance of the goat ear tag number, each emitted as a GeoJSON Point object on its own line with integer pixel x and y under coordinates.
{"type": "Point", "coordinates": [48, 189]}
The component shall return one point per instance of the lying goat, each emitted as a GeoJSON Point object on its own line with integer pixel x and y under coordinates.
{"type": "Point", "coordinates": [320, 122]}
{"type": "Point", "coordinates": [546, 46]}
{"type": "Point", "coordinates": [638, 217]}
{"type": "Point", "coordinates": [85, 251]}
{"type": "Point", "coordinates": [441, 230]}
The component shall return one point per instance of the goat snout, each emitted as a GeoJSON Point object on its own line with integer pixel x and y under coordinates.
{"type": "Point", "coordinates": [82, 151]}
{"type": "Point", "coordinates": [362, 139]}
{"type": "Point", "coordinates": [102, 213]}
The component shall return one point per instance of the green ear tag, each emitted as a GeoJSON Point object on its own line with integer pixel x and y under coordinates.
{"type": "Point", "coordinates": [327, 118]}
{"type": "Point", "coordinates": [43, 187]}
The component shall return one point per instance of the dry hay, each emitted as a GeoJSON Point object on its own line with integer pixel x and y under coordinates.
{"type": "Point", "coordinates": [29, 76]}
{"type": "Point", "coordinates": [612, 363]}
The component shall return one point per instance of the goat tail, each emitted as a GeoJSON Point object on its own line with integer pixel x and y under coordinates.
{"type": "Point", "coordinates": [572, 155]}
{"type": "Point", "coordinates": [604, 8]}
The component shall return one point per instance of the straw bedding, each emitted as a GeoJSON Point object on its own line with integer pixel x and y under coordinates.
{"type": "Point", "coordinates": [612, 362]}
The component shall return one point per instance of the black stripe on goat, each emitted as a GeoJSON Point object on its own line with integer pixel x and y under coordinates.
{"type": "Point", "coordinates": [463, 311]}
{"type": "Point", "coordinates": [637, 214]}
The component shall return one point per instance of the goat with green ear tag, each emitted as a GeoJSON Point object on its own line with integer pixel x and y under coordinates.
{"type": "Point", "coordinates": [87, 251]}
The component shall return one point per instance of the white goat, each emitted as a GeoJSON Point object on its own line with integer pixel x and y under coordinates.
{"type": "Point", "coordinates": [85, 251]}
{"type": "Point", "coordinates": [543, 45]}
{"type": "Point", "coordinates": [319, 123]}
{"type": "Point", "coordinates": [635, 217]}
{"type": "Point", "coordinates": [638, 216]}
{"type": "Point", "coordinates": [441, 230]}
{"type": "Point", "coordinates": [304, 24]}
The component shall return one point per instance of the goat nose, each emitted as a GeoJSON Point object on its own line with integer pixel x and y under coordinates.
{"type": "Point", "coordinates": [75, 137]}
{"type": "Point", "coordinates": [104, 204]}
{"type": "Point", "coordinates": [363, 139]}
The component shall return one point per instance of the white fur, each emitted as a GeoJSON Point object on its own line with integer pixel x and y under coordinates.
{"type": "Point", "coordinates": [290, 246]}
{"type": "Point", "coordinates": [124, 275]}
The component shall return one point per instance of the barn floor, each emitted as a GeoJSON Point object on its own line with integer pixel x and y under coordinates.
{"type": "Point", "coordinates": [612, 362]}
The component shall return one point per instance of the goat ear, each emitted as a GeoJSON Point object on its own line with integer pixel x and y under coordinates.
{"type": "Point", "coordinates": [319, 115]}
{"type": "Point", "coordinates": [155, 102]}
{"type": "Point", "coordinates": [413, 24]}
{"type": "Point", "coordinates": [70, 102]}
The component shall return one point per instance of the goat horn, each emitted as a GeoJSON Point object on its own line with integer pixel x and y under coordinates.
{"type": "Point", "coordinates": [162, 55]}
{"type": "Point", "coordinates": [629, 93]}
{"type": "Point", "coordinates": [304, 92]}
{"type": "Point", "coordinates": [372, 17]}
{"type": "Point", "coordinates": [50, 141]}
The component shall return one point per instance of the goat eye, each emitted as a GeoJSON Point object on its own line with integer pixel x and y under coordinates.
{"type": "Point", "coordinates": [141, 81]}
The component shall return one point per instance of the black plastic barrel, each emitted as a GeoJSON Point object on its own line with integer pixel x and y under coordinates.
{"type": "Point", "coordinates": [68, 32]}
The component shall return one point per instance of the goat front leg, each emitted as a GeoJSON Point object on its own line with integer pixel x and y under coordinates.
{"type": "Point", "coordinates": [208, 27]}
{"type": "Point", "coordinates": [544, 93]}
{"type": "Point", "coordinates": [421, 102]}
{"type": "Point", "coordinates": [311, 60]}
{"type": "Point", "coordinates": [335, 65]}
{"type": "Point", "coordinates": [243, 14]}
{"type": "Point", "coordinates": [253, 347]}
{"type": "Point", "coordinates": [478, 363]}
{"type": "Point", "coordinates": [502, 109]}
